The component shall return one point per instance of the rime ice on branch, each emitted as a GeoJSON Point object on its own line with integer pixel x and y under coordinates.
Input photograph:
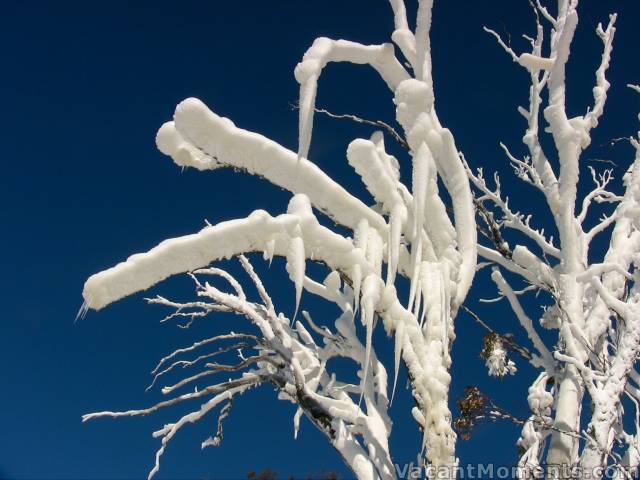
{"type": "Point", "coordinates": [413, 236]}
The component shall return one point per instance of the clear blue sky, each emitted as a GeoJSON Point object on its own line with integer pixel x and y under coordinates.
{"type": "Point", "coordinates": [84, 87]}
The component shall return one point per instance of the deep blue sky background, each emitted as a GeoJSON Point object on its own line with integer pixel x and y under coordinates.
{"type": "Point", "coordinates": [84, 87]}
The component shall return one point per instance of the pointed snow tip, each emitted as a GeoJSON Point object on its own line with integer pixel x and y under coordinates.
{"type": "Point", "coordinates": [267, 255]}
{"type": "Point", "coordinates": [397, 356]}
{"type": "Point", "coordinates": [295, 314]}
{"type": "Point", "coordinates": [298, 298]}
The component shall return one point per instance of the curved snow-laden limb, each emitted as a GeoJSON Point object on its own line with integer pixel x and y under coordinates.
{"type": "Point", "coordinates": [325, 50]}
{"type": "Point", "coordinates": [225, 240]}
{"type": "Point", "coordinates": [197, 129]}
{"type": "Point", "coordinates": [380, 174]}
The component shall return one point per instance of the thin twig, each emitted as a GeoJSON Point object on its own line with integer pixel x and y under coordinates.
{"type": "Point", "coordinates": [376, 123]}
{"type": "Point", "coordinates": [493, 233]}
{"type": "Point", "coordinates": [505, 338]}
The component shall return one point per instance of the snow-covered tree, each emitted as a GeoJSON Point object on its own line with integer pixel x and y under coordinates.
{"type": "Point", "coordinates": [591, 302]}
{"type": "Point", "coordinates": [425, 232]}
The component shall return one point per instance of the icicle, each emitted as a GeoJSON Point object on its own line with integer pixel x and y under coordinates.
{"type": "Point", "coordinates": [82, 311]}
{"type": "Point", "coordinates": [396, 220]}
{"type": "Point", "coordinates": [360, 240]}
{"type": "Point", "coordinates": [371, 294]}
{"type": "Point", "coordinates": [416, 259]}
{"type": "Point", "coordinates": [374, 252]}
{"type": "Point", "coordinates": [361, 235]}
{"type": "Point", "coordinates": [420, 177]}
{"type": "Point", "coordinates": [296, 267]}
{"type": "Point", "coordinates": [357, 282]}
{"type": "Point", "coordinates": [445, 305]}
{"type": "Point", "coordinates": [430, 284]}
{"type": "Point", "coordinates": [418, 298]}
{"type": "Point", "coordinates": [296, 423]}
{"type": "Point", "coordinates": [397, 355]}
{"type": "Point", "coordinates": [307, 73]}
{"type": "Point", "coordinates": [268, 251]}
{"type": "Point", "coordinates": [367, 352]}
{"type": "Point", "coordinates": [423, 315]}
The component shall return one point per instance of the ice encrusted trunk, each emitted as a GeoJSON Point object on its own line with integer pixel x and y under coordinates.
{"type": "Point", "coordinates": [592, 304]}
{"type": "Point", "coordinates": [410, 234]}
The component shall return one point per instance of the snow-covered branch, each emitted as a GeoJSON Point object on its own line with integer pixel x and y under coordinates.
{"type": "Point", "coordinates": [593, 304]}
{"type": "Point", "coordinates": [429, 237]}
{"type": "Point", "coordinates": [291, 360]}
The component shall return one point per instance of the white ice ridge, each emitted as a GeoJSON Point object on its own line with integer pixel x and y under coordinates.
{"type": "Point", "coordinates": [256, 233]}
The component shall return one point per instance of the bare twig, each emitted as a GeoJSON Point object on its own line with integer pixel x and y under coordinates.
{"type": "Point", "coordinates": [376, 123]}
{"type": "Point", "coordinates": [493, 231]}
{"type": "Point", "coordinates": [505, 338]}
